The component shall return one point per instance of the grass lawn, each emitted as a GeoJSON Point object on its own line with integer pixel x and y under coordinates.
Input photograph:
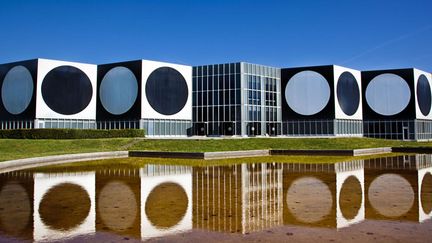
{"type": "Point", "coordinates": [209, 145]}
{"type": "Point", "coordinates": [25, 148]}
{"type": "Point", "coordinates": [16, 148]}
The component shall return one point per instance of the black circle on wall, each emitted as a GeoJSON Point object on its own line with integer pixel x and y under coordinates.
{"type": "Point", "coordinates": [67, 90]}
{"type": "Point", "coordinates": [424, 95]}
{"type": "Point", "coordinates": [166, 91]}
{"type": "Point", "coordinates": [348, 93]}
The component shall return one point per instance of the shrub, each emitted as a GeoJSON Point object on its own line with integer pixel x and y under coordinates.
{"type": "Point", "coordinates": [69, 133]}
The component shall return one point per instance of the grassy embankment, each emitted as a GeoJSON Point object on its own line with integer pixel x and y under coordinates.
{"type": "Point", "coordinates": [21, 148]}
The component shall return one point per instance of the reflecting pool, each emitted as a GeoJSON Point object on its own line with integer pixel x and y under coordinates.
{"type": "Point", "coordinates": [383, 199]}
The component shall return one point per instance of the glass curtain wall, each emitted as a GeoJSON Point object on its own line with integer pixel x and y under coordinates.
{"type": "Point", "coordinates": [261, 100]}
{"type": "Point", "coordinates": [236, 99]}
{"type": "Point", "coordinates": [216, 99]}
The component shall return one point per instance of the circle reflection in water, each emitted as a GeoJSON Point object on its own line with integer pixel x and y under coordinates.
{"type": "Point", "coordinates": [350, 197]}
{"type": "Point", "coordinates": [15, 208]}
{"type": "Point", "coordinates": [64, 206]}
{"type": "Point", "coordinates": [309, 199]}
{"type": "Point", "coordinates": [426, 193]}
{"type": "Point", "coordinates": [391, 195]}
{"type": "Point", "coordinates": [166, 205]}
{"type": "Point", "coordinates": [117, 206]}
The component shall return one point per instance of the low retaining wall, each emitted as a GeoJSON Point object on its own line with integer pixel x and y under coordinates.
{"type": "Point", "coordinates": [312, 152]}
{"type": "Point", "coordinates": [339, 152]}
{"type": "Point", "coordinates": [426, 150]}
{"type": "Point", "coordinates": [236, 154]}
{"type": "Point", "coordinates": [200, 155]}
{"type": "Point", "coordinates": [20, 164]}
{"type": "Point", "coordinates": [160, 154]}
{"type": "Point", "coordinates": [255, 153]}
{"type": "Point", "coordinates": [372, 151]}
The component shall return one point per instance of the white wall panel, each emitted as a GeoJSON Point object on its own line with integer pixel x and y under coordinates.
{"type": "Point", "coordinates": [44, 111]}
{"type": "Point", "coordinates": [147, 111]}
{"type": "Point", "coordinates": [339, 113]}
{"type": "Point", "coordinates": [417, 74]}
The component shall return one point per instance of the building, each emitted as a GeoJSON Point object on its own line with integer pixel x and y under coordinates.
{"type": "Point", "coordinates": [230, 99]}
{"type": "Point", "coordinates": [239, 99]}
{"type": "Point", "coordinates": [155, 96]}
{"type": "Point", "coordinates": [44, 93]}
{"type": "Point", "coordinates": [321, 101]}
{"type": "Point", "coordinates": [397, 104]}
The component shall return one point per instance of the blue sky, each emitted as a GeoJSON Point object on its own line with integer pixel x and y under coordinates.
{"type": "Point", "coordinates": [367, 34]}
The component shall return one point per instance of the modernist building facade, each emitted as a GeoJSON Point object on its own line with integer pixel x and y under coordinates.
{"type": "Point", "coordinates": [155, 96]}
{"type": "Point", "coordinates": [41, 93]}
{"type": "Point", "coordinates": [229, 99]}
{"type": "Point", "coordinates": [321, 101]}
{"type": "Point", "coordinates": [397, 104]}
{"type": "Point", "coordinates": [44, 93]}
{"type": "Point", "coordinates": [240, 99]}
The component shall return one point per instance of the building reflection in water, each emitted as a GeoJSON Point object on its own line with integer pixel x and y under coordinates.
{"type": "Point", "coordinates": [64, 205]}
{"type": "Point", "coordinates": [261, 196]}
{"type": "Point", "coordinates": [118, 201]}
{"type": "Point", "coordinates": [158, 200]}
{"type": "Point", "coordinates": [324, 195]}
{"type": "Point", "coordinates": [16, 205]}
{"type": "Point", "coordinates": [217, 198]}
{"type": "Point", "coordinates": [399, 188]}
{"type": "Point", "coordinates": [240, 198]}
{"type": "Point", "coordinates": [166, 200]}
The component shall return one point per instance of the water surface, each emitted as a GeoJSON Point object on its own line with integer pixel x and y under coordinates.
{"type": "Point", "coordinates": [385, 199]}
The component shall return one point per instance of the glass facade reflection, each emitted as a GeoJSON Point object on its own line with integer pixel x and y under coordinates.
{"type": "Point", "coordinates": [236, 99]}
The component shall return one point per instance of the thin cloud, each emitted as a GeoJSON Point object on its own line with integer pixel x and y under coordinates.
{"type": "Point", "coordinates": [388, 42]}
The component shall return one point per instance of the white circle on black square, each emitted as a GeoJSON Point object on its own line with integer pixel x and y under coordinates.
{"type": "Point", "coordinates": [118, 90]}
{"type": "Point", "coordinates": [388, 94]}
{"type": "Point", "coordinates": [166, 91]}
{"type": "Point", "coordinates": [307, 93]}
{"type": "Point", "coordinates": [348, 93]}
{"type": "Point", "coordinates": [17, 90]}
{"type": "Point", "coordinates": [67, 90]}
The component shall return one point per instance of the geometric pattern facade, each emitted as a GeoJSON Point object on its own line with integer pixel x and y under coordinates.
{"type": "Point", "coordinates": [144, 90]}
{"type": "Point", "coordinates": [47, 89]}
{"type": "Point", "coordinates": [230, 99]}
{"type": "Point", "coordinates": [321, 92]}
{"type": "Point", "coordinates": [396, 94]}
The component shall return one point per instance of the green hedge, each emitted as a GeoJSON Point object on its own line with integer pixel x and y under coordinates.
{"type": "Point", "coordinates": [69, 133]}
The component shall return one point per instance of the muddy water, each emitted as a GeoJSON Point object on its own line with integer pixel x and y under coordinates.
{"type": "Point", "coordinates": [383, 199]}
